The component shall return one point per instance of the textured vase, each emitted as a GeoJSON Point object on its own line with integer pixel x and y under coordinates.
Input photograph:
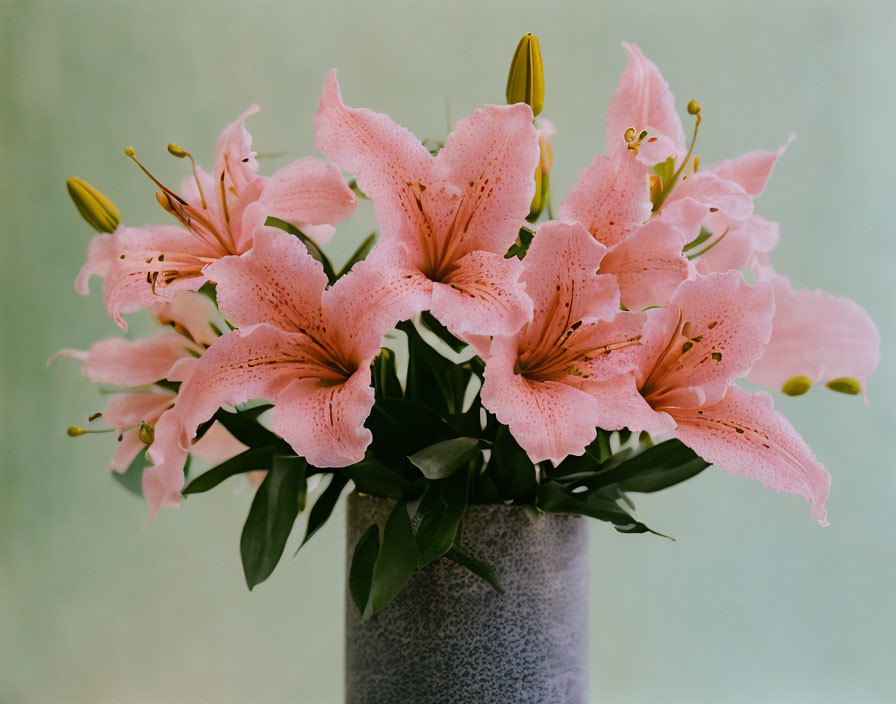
{"type": "Point", "coordinates": [449, 638]}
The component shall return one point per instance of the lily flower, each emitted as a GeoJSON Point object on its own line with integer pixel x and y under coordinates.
{"type": "Point", "coordinates": [305, 348]}
{"type": "Point", "coordinates": [217, 214]}
{"type": "Point", "coordinates": [816, 336]}
{"type": "Point", "coordinates": [537, 380]}
{"type": "Point", "coordinates": [713, 331]}
{"type": "Point", "coordinates": [457, 213]}
{"type": "Point", "coordinates": [138, 366]}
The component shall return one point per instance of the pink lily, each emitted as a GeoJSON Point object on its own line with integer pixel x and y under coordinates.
{"type": "Point", "coordinates": [457, 213]}
{"type": "Point", "coordinates": [816, 335]}
{"type": "Point", "coordinates": [537, 380]}
{"type": "Point", "coordinates": [140, 364]}
{"type": "Point", "coordinates": [306, 348]}
{"type": "Point", "coordinates": [217, 214]}
{"type": "Point", "coordinates": [712, 332]}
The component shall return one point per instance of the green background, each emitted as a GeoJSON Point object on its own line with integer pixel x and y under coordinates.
{"type": "Point", "coordinates": [753, 603]}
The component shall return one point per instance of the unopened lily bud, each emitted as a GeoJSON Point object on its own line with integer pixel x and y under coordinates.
{"type": "Point", "coordinates": [525, 82]}
{"type": "Point", "coordinates": [796, 386]}
{"type": "Point", "coordinates": [845, 385]}
{"type": "Point", "coordinates": [146, 433]}
{"type": "Point", "coordinates": [97, 210]}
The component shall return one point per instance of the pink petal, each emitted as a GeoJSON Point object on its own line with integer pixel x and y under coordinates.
{"type": "Point", "coordinates": [649, 265]}
{"type": "Point", "coordinates": [643, 101]}
{"type": "Point", "coordinates": [549, 420]}
{"type": "Point", "coordinates": [325, 424]}
{"type": "Point", "coordinates": [242, 365]}
{"type": "Point", "coordinates": [100, 253]}
{"type": "Point", "coordinates": [611, 198]}
{"type": "Point", "coordinates": [721, 315]}
{"type": "Point", "coordinates": [152, 253]}
{"type": "Point", "coordinates": [129, 363]}
{"type": "Point", "coordinates": [276, 282]}
{"type": "Point", "coordinates": [482, 296]}
{"type": "Point", "coordinates": [701, 195]}
{"type": "Point", "coordinates": [163, 481]}
{"type": "Point", "coordinates": [308, 192]}
{"type": "Point", "coordinates": [609, 348]}
{"type": "Point", "coordinates": [740, 247]}
{"type": "Point", "coordinates": [490, 158]}
{"type": "Point", "coordinates": [387, 160]}
{"type": "Point", "coordinates": [622, 406]}
{"type": "Point", "coordinates": [371, 299]}
{"type": "Point", "coordinates": [191, 314]}
{"type": "Point", "coordinates": [126, 410]}
{"type": "Point", "coordinates": [126, 451]}
{"type": "Point", "coordinates": [752, 170]}
{"type": "Point", "coordinates": [217, 445]}
{"type": "Point", "coordinates": [819, 336]}
{"type": "Point", "coordinates": [235, 163]}
{"type": "Point", "coordinates": [560, 268]}
{"type": "Point", "coordinates": [743, 434]}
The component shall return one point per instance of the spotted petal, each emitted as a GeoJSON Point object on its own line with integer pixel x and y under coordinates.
{"type": "Point", "coordinates": [743, 434]}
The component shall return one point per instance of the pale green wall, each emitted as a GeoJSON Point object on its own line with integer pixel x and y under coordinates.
{"type": "Point", "coordinates": [753, 603]}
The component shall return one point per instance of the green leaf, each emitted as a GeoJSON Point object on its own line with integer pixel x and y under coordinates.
{"type": "Point", "coordinates": [432, 379]}
{"type": "Point", "coordinates": [132, 478]}
{"type": "Point", "coordinates": [438, 516]}
{"type": "Point", "coordinates": [478, 567]}
{"type": "Point", "coordinates": [385, 375]}
{"type": "Point", "coordinates": [309, 243]}
{"type": "Point", "coordinates": [402, 427]}
{"type": "Point", "coordinates": [360, 574]}
{"type": "Point", "coordinates": [521, 246]}
{"type": "Point", "coordinates": [360, 253]}
{"type": "Point", "coordinates": [659, 467]}
{"type": "Point", "coordinates": [397, 559]}
{"type": "Point", "coordinates": [274, 509]}
{"type": "Point", "coordinates": [324, 506]}
{"type": "Point", "coordinates": [554, 498]}
{"type": "Point", "coordinates": [371, 476]}
{"type": "Point", "coordinates": [510, 468]}
{"type": "Point", "coordinates": [247, 461]}
{"type": "Point", "coordinates": [443, 459]}
{"type": "Point", "coordinates": [244, 426]}
{"type": "Point", "coordinates": [431, 323]}
{"type": "Point", "coordinates": [596, 455]}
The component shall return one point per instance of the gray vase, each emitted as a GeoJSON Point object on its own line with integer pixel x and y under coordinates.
{"type": "Point", "coordinates": [449, 638]}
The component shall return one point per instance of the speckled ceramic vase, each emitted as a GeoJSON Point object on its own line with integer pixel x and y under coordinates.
{"type": "Point", "coordinates": [449, 638]}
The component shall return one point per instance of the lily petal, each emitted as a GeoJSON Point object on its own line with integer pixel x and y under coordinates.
{"type": "Point", "coordinates": [643, 101]}
{"type": "Point", "coordinates": [386, 159]}
{"type": "Point", "coordinates": [325, 424]}
{"type": "Point", "coordinates": [482, 296]}
{"type": "Point", "coordinates": [276, 282]}
{"type": "Point", "coordinates": [549, 419]}
{"type": "Point", "coordinates": [818, 335]}
{"type": "Point", "coordinates": [308, 192]}
{"type": "Point", "coordinates": [743, 434]}
{"type": "Point", "coordinates": [129, 363]}
{"type": "Point", "coordinates": [100, 253]}
{"type": "Point", "coordinates": [611, 198]}
{"type": "Point", "coordinates": [649, 265]}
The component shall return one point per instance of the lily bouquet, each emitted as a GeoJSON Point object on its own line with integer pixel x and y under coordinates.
{"type": "Point", "coordinates": [480, 348]}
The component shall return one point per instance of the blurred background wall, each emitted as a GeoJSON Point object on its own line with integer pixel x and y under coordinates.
{"type": "Point", "coordinates": [753, 603]}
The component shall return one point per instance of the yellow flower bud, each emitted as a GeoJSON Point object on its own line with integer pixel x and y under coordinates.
{"type": "Point", "coordinates": [99, 212]}
{"type": "Point", "coordinates": [845, 385]}
{"type": "Point", "coordinates": [796, 386]}
{"type": "Point", "coordinates": [525, 82]}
